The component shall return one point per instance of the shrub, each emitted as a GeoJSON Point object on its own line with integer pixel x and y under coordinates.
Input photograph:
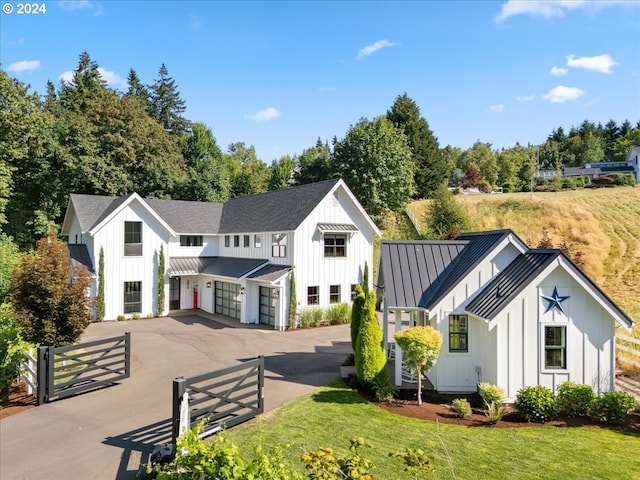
{"type": "Point", "coordinates": [370, 355]}
{"type": "Point", "coordinates": [356, 314]}
{"type": "Point", "coordinates": [462, 407]}
{"type": "Point", "coordinates": [495, 412]}
{"type": "Point", "coordinates": [135, 316]}
{"type": "Point", "coordinates": [310, 317]}
{"type": "Point", "coordinates": [382, 388]}
{"type": "Point", "coordinates": [575, 399]}
{"type": "Point", "coordinates": [536, 404]}
{"type": "Point", "coordinates": [338, 314]}
{"type": "Point", "coordinates": [13, 348]}
{"type": "Point", "coordinates": [121, 318]}
{"type": "Point", "coordinates": [612, 407]}
{"type": "Point", "coordinates": [490, 393]}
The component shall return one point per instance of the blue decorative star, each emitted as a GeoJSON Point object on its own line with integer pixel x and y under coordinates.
{"type": "Point", "coordinates": [555, 300]}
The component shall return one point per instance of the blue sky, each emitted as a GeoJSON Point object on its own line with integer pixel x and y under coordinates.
{"type": "Point", "coordinates": [278, 75]}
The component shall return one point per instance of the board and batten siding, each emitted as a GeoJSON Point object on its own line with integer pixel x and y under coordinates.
{"type": "Point", "coordinates": [120, 268]}
{"type": "Point", "coordinates": [311, 266]}
{"type": "Point", "coordinates": [209, 247]}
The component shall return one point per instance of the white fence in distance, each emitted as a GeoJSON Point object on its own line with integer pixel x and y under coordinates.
{"type": "Point", "coordinates": [630, 352]}
{"type": "Point", "coordinates": [28, 372]}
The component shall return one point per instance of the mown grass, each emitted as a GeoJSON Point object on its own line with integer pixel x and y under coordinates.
{"type": "Point", "coordinates": [333, 414]}
{"type": "Point", "coordinates": [603, 224]}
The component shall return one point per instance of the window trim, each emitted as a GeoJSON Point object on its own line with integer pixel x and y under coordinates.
{"type": "Point", "coordinates": [236, 241]}
{"type": "Point", "coordinates": [191, 240]}
{"type": "Point", "coordinates": [562, 347]}
{"type": "Point", "coordinates": [257, 241]}
{"type": "Point", "coordinates": [279, 245]}
{"type": "Point", "coordinates": [246, 241]}
{"type": "Point", "coordinates": [461, 333]}
{"type": "Point", "coordinates": [227, 241]}
{"type": "Point", "coordinates": [134, 248]}
{"type": "Point", "coordinates": [335, 297]}
{"type": "Point", "coordinates": [126, 306]}
{"type": "Point", "coordinates": [333, 249]}
{"type": "Point", "coordinates": [315, 295]}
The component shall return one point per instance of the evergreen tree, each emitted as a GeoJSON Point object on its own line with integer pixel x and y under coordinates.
{"type": "Point", "coordinates": [429, 168]}
{"type": "Point", "coordinates": [137, 89]}
{"type": "Point", "coordinates": [356, 314]}
{"type": "Point", "coordinates": [100, 298]}
{"type": "Point", "coordinates": [166, 104]}
{"type": "Point", "coordinates": [370, 358]}
{"type": "Point", "coordinates": [161, 275]}
{"type": "Point", "coordinates": [365, 278]}
{"type": "Point", "coordinates": [85, 84]}
{"type": "Point", "coordinates": [293, 301]}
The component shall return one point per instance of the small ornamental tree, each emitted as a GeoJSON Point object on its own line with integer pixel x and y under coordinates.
{"type": "Point", "coordinates": [422, 347]}
{"type": "Point", "coordinates": [356, 314]}
{"type": "Point", "coordinates": [293, 301]}
{"type": "Point", "coordinates": [370, 358]}
{"type": "Point", "coordinates": [161, 272]}
{"type": "Point", "coordinates": [49, 299]}
{"type": "Point", "coordinates": [100, 299]}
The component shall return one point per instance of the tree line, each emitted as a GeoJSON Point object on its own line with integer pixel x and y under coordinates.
{"type": "Point", "coordinates": [84, 137]}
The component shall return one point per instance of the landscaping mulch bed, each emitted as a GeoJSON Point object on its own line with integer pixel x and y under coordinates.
{"type": "Point", "coordinates": [436, 407]}
{"type": "Point", "coordinates": [17, 401]}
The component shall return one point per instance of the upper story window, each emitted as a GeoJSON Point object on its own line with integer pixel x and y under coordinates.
{"type": "Point", "coordinates": [335, 245]}
{"type": "Point", "coordinates": [190, 240]}
{"type": "Point", "coordinates": [257, 241]}
{"type": "Point", "coordinates": [247, 240]}
{"type": "Point", "coordinates": [279, 245]}
{"type": "Point", "coordinates": [236, 240]}
{"type": "Point", "coordinates": [133, 239]}
{"type": "Point", "coordinates": [458, 331]}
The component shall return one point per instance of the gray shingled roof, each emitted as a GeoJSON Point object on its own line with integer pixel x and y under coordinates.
{"type": "Point", "coordinates": [220, 266]}
{"type": "Point", "coordinates": [411, 271]}
{"type": "Point", "coordinates": [79, 255]}
{"type": "Point", "coordinates": [270, 273]}
{"type": "Point", "coordinates": [275, 211]}
{"type": "Point", "coordinates": [500, 291]}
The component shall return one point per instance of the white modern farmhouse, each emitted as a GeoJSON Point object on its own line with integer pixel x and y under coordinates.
{"type": "Point", "coordinates": [232, 258]}
{"type": "Point", "coordinates": [509, 315]}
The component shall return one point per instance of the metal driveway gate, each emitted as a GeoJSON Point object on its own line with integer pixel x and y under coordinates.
{"type": "Point", "coordinates": [224, 397]}
{"type": "Point", "coordinates": [67, 371]}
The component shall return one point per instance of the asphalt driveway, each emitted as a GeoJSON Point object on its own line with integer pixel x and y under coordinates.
{"type": "Point", "coordinates": [107, 433]}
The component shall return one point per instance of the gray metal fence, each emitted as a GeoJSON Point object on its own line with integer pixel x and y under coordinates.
{"type": "Point", "coordinates": [66, 371]}
{"type": "Point", "coordinates": [224, 397]}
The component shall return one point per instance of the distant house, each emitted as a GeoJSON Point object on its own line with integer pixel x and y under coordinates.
{"type": "Point", "coordinates": [509, 315]}
{"type": "Point", "coordinates": [593, 170]}
{"type": "Point", "coordinates": [232, 258]}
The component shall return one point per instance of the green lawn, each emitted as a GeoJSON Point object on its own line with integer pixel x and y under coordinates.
{"type": "Point", "coordinates": [333, 414]}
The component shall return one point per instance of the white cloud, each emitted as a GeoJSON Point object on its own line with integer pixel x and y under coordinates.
{"type": "Point", "coordinates": [71, 5]}
{"type": "Point", "coordinates": [112, 78]}
{"type": "Point", "coordinates": [551, 8]}
{"type": "Point", "coordinates": [23, 66]}
{"type": "Point", "coordinates": [561, 94]}
{"type": "Point", "coordinates": [559, 71]}
{"type": "Point", "coordinates": [526, 98]}
{"type": "Point", "coordinates": [265, 115]}
{"type": "Point", "coordinates": [66, 76]}
{"type": "Point", "coordinates": [374, 47]}
{"type": "Point", "coordinates": [599, 63]}
{"type": "Point", "coordinates": [19, 41]}
{"type": "Point", "coordinates": [497, 108]}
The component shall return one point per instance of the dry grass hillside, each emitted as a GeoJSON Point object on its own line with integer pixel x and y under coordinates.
{"type": "Point", "coordinates": [601, 225]}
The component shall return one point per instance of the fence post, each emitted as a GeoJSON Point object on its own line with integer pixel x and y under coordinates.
{"type": "Point", "coordinates": [43, 353]}
{"type": "Point", "coordinates": [127, 354]}
{"type": "Point", "coordinates": [179, 387]}
{"type": "Point", "coordinates": [260, 384]}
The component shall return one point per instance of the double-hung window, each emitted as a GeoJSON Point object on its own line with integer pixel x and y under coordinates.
{"type": "Point", "coordinates": [458, 333]}
{"type": "Point", "coordinates": [334, 294]}
{"type": "Point", "coordinates": [132, 297]}
{"type": "Point", "coordinates": [313, 295]}
{"type": "Point", "coordinates": [132, 239]}
{"type": "Point", "coordinates": [555, 347]}
{"type": "Point", "coordinates": [335, 245]}
{"type": "Point", "coordinates": [279, 245]}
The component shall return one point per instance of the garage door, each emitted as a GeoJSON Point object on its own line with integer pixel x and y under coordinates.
{"type": "Point", "coordinates": [267, 306]}
{"type": "Point", "coordinates": [227, 299]}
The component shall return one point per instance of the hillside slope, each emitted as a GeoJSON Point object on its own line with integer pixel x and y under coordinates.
{"type": "Point", "coordinates": [603, 225]}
